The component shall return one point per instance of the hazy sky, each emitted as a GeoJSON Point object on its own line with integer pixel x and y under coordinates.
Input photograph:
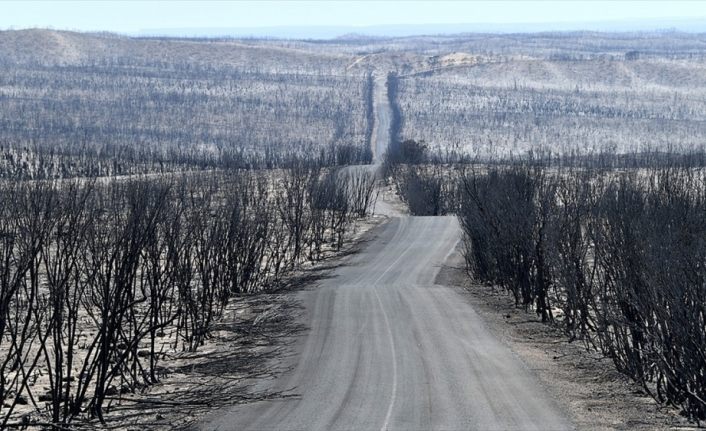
{"type": "Point", "coordinates": [131, 16]}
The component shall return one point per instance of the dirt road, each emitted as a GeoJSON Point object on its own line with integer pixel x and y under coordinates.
{"type": "Point", "coordinates": [383, 114]}
{"type": "Point", "coordinates": [387, 348]}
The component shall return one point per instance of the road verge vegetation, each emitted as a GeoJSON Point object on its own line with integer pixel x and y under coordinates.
{"type": "Point", "coordinates": [101, 280]}
{"type": "Point", "coordinates": [612, 255]}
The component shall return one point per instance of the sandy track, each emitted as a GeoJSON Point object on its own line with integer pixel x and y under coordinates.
{"type": "Point", "coordinates": [389, 349]}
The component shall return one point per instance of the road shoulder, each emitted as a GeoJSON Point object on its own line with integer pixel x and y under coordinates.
{"type": "Point", "coordinates": [587, 387]}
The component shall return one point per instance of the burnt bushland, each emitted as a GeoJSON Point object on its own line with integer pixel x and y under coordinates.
{"type": "Point", "coordinates": [615, 257]}
{"type": "Point", "coordinates": [99, 279]}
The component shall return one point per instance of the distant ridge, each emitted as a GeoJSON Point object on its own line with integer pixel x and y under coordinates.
{"type": "Point", "coordinates": [690, 25]}
{"type": "Point", "coordinates": [56, 47]}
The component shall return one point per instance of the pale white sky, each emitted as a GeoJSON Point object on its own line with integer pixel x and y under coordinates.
{"type": "Point", "coordinates": [128, 16]}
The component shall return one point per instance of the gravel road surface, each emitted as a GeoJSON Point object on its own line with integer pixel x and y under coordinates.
{"type": "Point", "coordinates": [387, 348]}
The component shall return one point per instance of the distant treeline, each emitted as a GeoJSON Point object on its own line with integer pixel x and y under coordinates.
{"type": "Point", "coordinates": [89, 162]}
{"type": "Point", "coordinates": [427, 178]}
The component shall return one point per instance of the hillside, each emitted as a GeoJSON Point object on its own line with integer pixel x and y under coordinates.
{"type": "Point", "coordinates": [50, 47]}
{"type": "Point", "coordinates": [509, 105]}
{"type": "Point", "coordinates": [193, 103]}
{"type": "Point", "coordinates": [170, 103]}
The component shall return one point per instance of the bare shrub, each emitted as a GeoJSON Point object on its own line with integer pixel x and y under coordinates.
{"type": "Point", "coordinates": [620, 256]}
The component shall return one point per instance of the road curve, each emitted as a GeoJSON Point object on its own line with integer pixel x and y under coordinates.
{"type": "Point", "coordinates": [387, 348]}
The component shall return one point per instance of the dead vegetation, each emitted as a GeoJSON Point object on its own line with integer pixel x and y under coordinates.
{"type": "Point", "coordinates": [614, 260]}
{"type": "Point", "coordinates": [586, 384]}
{"type": "Point", "coordinates": [100, 282]}
{"type": "Point", "coordinates": [77, 105]}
